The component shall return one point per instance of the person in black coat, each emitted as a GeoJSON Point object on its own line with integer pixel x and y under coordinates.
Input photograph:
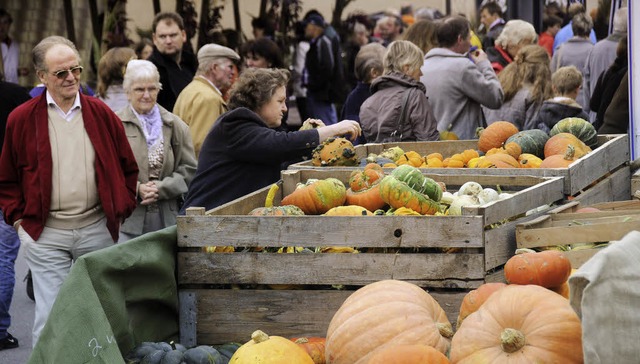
{"type": "Point", "coordinates": [608, 83]}
{"type": "Point", "coordinates": [243, 151]}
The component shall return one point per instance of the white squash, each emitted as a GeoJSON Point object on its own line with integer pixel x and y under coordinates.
{"type": "Point", "coordinates": [487, 195]}
{"type": "Point", "coordinates": [470, 188]}
{"type": "Point", "coordinates": [460, 202]}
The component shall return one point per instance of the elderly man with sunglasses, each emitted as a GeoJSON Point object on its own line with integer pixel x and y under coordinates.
{"type": "Point", "coordinates": [67, 173]}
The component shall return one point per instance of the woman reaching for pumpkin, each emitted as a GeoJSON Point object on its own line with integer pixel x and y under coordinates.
{"type": "Point", "coordinates": [243, 152]}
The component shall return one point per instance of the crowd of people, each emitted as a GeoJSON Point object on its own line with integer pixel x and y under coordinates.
{"type": "Point", "coordinates": [169, 129]}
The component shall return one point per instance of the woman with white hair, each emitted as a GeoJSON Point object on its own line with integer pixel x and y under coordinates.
{"type": "Point", "coordinates": [398, 109]}
{"type": "Point", "coordinates": [163, 149]}
{"type": "Point", "coordinates": [515, 35]}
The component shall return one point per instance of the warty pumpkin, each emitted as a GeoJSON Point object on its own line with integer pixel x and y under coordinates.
{"type": "Point", "coordinates": [475, 298]}
{"type": "Point", "coordinates": [527, 160]}
{"type": "Point", "coordinates": [286, 210]}
{"type": "Point", "coordinates": [579, 127]}
{"type": "Point", "coordinates": [495, 135]}
{"type": "Point", "coordinates": [398, 194]}
{"type": "Point", "coordinates": [265, 349]}
{"type": "Point", "coordinates": [314, 346]}
{"type": "Point", "coordinates": [549, 268]}
{"type": "Point", "coordinates": [408, 354]}
{"type": "Point", "coordinates": [520, 324]}
{"type": "Point", "coordinates": [381, 314]}
{"type": "Point", "coordinates": [362, 180]}
{"type": "Point", "coordinates": [318, 197]}
{"type": "Point", "coordinates": [558, 144]}
{"type": "Point", "coordinates": [334, 152]}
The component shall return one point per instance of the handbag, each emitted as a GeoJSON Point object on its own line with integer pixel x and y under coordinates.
{"type": "Point", "coordinates": [394, 137]}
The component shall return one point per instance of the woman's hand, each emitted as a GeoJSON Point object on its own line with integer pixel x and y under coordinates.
{"type": "Point", "coordinates": [344, 127]}
{"type": "Point", "coordinates": [311, 124]}
{"type": "Point", "coordinates": [148, 192]}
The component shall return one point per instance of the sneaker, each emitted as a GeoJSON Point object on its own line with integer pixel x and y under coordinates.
{"type": "Point", "coordinates": [29, 280]}
{"type": "Point", "coordinates": [9, 342]}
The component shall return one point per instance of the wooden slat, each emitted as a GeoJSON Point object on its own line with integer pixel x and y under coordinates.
{"type": "Point", "coordinates": [579, 257]}
{"type": "Point", "coordinates": [615, 187]}
{"type": "Point", "coordinates": [188, 317]}
{"type": "Point", "coordinates": [232, 315]}
{"type": "Point", "coordinates": [593, 217]}
{"type": "Point", "coordinates": [424, 269]}
{"type": "Point", "coordinates": [562, 235]}
{"type": "Point", "coordinates": [358, 231]}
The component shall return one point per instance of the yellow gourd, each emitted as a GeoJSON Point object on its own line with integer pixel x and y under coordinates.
{"type": "Point", "coordinates": [412, 158]}
{"type": "Point", "coordinates": [265, 349]}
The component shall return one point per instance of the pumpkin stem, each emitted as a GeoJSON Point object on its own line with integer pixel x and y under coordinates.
{"type": "Point", "coordinates": [259, 336]}
{"type": "Point", "coordinates": [512, 340]}
{"type": "Point", "coordinates": [570, 153]}
{"type": "Point", "coordinates": [301, 340]}
{"type": "Point", "coordinates": [445, 329]}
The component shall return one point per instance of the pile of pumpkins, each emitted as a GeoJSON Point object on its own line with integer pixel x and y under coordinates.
{"type": "Point", "coordinates": [528, 320]}
{"type": "Point", "coordinates": [501, 145]}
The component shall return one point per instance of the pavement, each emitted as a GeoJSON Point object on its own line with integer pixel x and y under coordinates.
{"type": "Point", "coordinates": [22, 311]}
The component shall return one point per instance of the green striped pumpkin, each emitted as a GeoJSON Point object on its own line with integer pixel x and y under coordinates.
{"type": "Point", "coordinates": [530, 141]}
{"type": "Point", "coordinates": [417, 181]}
{"type": "Point", "coordinates": [581, 128]}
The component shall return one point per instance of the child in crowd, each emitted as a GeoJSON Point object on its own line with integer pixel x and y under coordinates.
{"type": "Point", "coordinates": [566, 83]}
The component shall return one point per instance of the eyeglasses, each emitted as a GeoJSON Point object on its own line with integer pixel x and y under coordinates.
{"type": "Point", "coordinates": [62, 74]}
{"type": "Point", "coordinates": [141, 90]}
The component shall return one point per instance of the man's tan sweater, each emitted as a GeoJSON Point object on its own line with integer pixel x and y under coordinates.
{"type": "Point", "coordinates": [74, 192]}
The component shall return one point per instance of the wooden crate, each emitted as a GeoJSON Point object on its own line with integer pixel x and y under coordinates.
{"type": "Point", "coordinates": [213, 312]}
{"type": "Point", "coordinates": [612, 152]}
{"type": "Point", "coordinates": [562, 226]}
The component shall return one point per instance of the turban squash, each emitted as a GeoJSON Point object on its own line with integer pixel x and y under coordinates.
{"type": "Point", "coordinates": [364, 187]}
{"type": "Point", "coordinates": [407, 187]}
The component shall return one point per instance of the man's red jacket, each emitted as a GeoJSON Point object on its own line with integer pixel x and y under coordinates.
{"type": "Point", "coordinates": [26, 165]}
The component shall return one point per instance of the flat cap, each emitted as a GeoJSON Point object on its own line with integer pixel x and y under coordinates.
{"type": "Point", "coordinates": [315, 19]}
{"type": "Point", "coordinates": [212, 50]}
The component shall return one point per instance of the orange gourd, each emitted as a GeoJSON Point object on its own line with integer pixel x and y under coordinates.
{"type": "Point", "coordinates": [352, 210]}
{"type": "Point", "coordinates": [455, 163]}
{"type": "Point", "coordinates": [520, 324]}
{"type": "Point", "coordinates": [361, 180]}
{"type": "Point", "coordinates": [558, 160]}
{"type": "Point", "coordinates": [317, 197]}
{"type": "Point", "coordinates": [448, 135]}
{"type": "Point", "coordinates": [495, 135]}
{"type": "Point", "coordinates": [549, 268]}
{"type": "Point", "coordinates": [434, 163]}
{"type": "Point", "coordinates": [474, 299]}
{"type": "Point", "coordinates": [435, 155]}
{"type": "Point", "coordinates": [469, 154]}
{"type": "Point", "coordinates": [408, 354]}
{"type": "Point", "coordinates": [369, 198]}
{"type": "Point", "coordinates": [498, 160]}
{"type": "Point", "coordinates": [384, 314]}
{"type": "Point", "coordinates": [314, 346]}
{"type": "Point", "coordinates": [334, 152]}
{"type": "Point", "coordinates": [411, 158]}
{"type": "Point", "coordinates": [558, 144]}
{"type": "Point", "coordinates": [527, 160]}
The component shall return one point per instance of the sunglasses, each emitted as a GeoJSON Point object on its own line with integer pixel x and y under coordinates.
{"type": "Point", "coordinates": [62, 74]}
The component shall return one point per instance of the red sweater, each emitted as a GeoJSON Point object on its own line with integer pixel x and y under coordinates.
{"type": "Point", "coordinates": [546, 40]}
{"type": "Point", "coordinates": [26, 164]}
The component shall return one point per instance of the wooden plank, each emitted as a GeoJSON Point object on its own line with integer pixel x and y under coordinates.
{"type": "Point", "coordinates": [615, 187]}
{"type": "Point", "coordinates": [357, 231]}
{"type": "Point", "coordinates": [188, 317]}
{"type": "Point", "coordinates": [579, 257]}
{"type": "Point", "coordinates": [232, 315]}
{"type": "Point", "coordinates": [602, 160]}
{"type": "Point", "coordinates": [594, 217]}
{"type": "Point", "coordinates": [618, 205]}
{"type": "Point", "coordinates": [563, 235]}
{"type": "Point", "coordinates": [424, 269]}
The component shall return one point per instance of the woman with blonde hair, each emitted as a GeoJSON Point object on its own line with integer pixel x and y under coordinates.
{"type": "Point", "coordinates": [110, 76]}
{"type": "Point", "coordinates": [398, 109]}
{"type": "Point", "coordinates": [526, 83]}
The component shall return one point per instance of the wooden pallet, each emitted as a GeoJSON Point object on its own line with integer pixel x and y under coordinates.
{"type": "Point", "coordinates": [563, 226]}
{"type": "Point", "coordinates": [212, 311]}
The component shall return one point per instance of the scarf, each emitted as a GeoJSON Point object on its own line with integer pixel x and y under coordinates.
{"type": "Point", "coordinates": [151, 125]}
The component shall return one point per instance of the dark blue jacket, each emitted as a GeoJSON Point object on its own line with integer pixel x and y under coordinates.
{"type": "Point", "coordinates": [240, 155]}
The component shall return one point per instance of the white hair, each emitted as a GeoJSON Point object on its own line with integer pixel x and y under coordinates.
{"type": "Point", "coordinates": [620, 20]}
{"type": "Point", "coordinates": [140, 70]}
{"type": "Point", "coordinates": [514, 32]}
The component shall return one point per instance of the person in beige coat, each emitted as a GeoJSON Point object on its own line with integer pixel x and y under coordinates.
{"type": "Point", "coordinates": [163, 150]}
{"type": "Point", "coordinates": [201, 103]}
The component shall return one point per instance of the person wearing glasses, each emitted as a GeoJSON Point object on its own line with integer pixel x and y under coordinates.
{"type": "Point", "coordinates": [175, 65]}
{"type": "Point", "coordinates": [163, 149]}
{"type": "Point", "coordinates": [202, 101]}
{"type": "Point", "coordinates": [67, 173]}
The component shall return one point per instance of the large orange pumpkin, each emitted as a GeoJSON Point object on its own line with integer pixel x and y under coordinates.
{"type": "Point", "coordinates": [559, 160]}
{"type": "Point", "coordinates": [314, 346]}
{"type": "Point", "coordinates": [549, 268]}
{"type": "Point", "coordinates": [474, 299]}
{"type": "Point", "coordinates": [520, 324]}
{"type": "Point", "coordinates": [408, 354]}
{"type": "Point", "coordinates": [382, 314]}
{"type": "Point", "coordinates": [495, 135]}
{"type": "Point", "coordinates": [558, 144]}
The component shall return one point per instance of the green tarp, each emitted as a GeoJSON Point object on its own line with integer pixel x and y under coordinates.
{"type": "Point", "coordinates": [112, 300]}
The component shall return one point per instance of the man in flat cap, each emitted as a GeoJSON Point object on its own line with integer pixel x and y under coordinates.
{"type": "Point", "coordinates": [201, 103]}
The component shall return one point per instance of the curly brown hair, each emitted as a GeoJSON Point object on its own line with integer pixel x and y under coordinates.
{"type": "Point", "coordinates": [256, 86]}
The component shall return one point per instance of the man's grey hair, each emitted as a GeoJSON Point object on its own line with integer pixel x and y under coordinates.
{"type": "Point", "coordinates": [620, 20]}
{"type": "Point", "coordinates": [40, 50]}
